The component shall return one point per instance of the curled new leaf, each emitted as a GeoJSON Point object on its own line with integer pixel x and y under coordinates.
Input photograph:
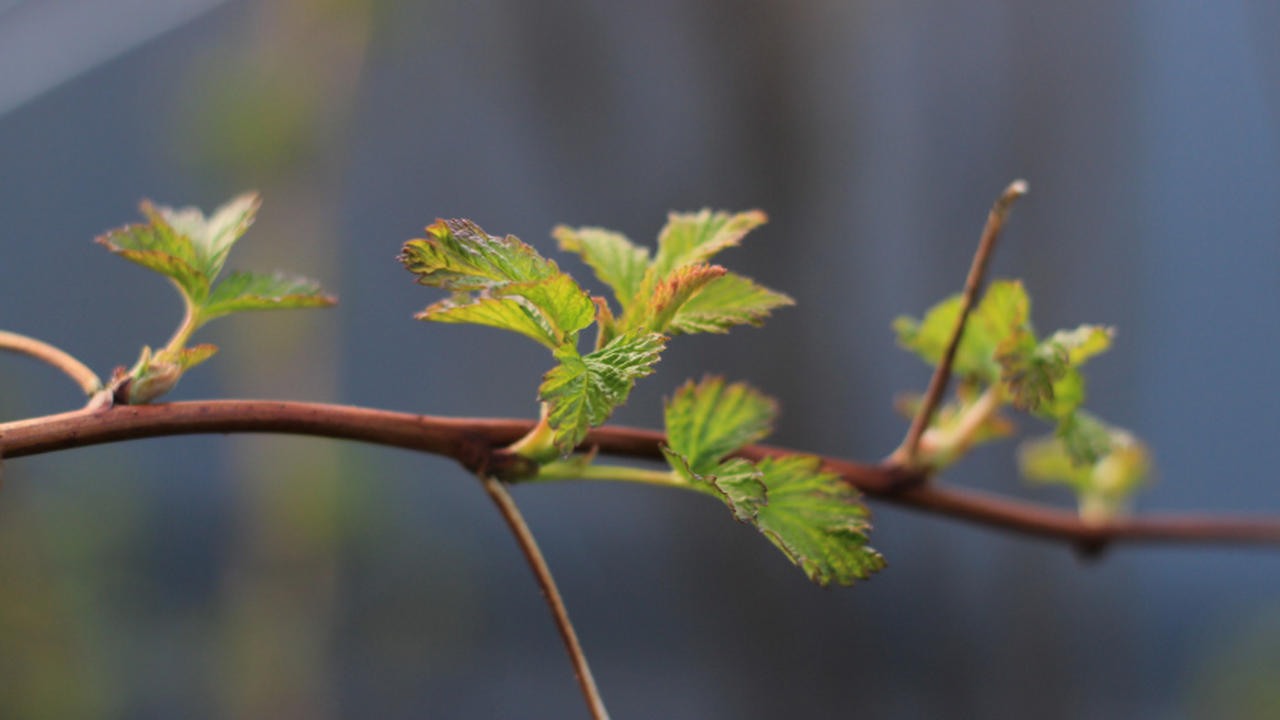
{"type": "Point", "coordinates": [1103, 479]}
{"type": "Point", "coordinates": [582, 391]}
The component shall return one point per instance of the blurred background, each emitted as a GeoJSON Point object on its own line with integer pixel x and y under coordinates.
{"type": "Point", "coordinates": [266, 577]}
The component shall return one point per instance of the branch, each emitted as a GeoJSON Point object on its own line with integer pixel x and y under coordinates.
{"type": "Point", "coordinates": [977, 271]}
{"type": "Point", "coordinates": [76, 370]}
{"type": "Point", "coordinates": [507, 506]}
{"type": "Point", "coordinates": [462, 438]}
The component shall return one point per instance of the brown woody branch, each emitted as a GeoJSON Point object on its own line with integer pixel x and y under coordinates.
{"type": "Point", "coordinates": [469, 441]}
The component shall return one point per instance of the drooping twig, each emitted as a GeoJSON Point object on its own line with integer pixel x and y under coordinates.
{"type": "Point", "coordinates": [456, 437]}
{"type": "Point", "coordinates": [906, 455]}
{"type": "Point", "coordinates": [524, 537]}
{"type": "Point", "coordinates": [43, 351]}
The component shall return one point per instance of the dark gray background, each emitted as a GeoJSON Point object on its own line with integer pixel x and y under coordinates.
{"type": "Point", "coordinates": [246, 578]}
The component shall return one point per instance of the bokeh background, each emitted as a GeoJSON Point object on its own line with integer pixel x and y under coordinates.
{"type": "Point", "coordinates": [266, 577]}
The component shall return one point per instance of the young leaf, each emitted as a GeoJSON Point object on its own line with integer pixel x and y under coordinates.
{"type": "Point", "coordinates": [817, 520]}
{"type": "Point", "coordinates": [191, 249]}
{"type": "Point", "coordinates": [728, 301]}
{"type": "Point", "coordinates": [618, 262]}
{"type": "Point", "coordinates": [1084, 438]}
{"type": "Point", "coordinates": [691, 238]}
{"type": "Point", "coordinates": [519, 289]}
{"type": "Point", "coordinates": [550, 311]}
{"type": "Point", "coordinates": [501, 312]}
{"type": "Point", "coordinates": [1102, 486]}
{"type": "Point", "coordinates": [251, 291]}
{"type": "Point", "coordinates": [582, 391]}
{"type": "Point", "coordinates": [211, 238]}
{"type": "Point", "coordinates": [710, 420]}
{"type": "Point", "coordinates": [462, 257]}
{"type": "Point", "coordinates": [158, 247]}
{"type": "Point", "coordinates": [1003, 310]}
{"type": "Point", "coordinates": [675, 291]}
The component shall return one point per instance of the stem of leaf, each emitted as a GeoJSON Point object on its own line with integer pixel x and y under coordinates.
{"type": "Point", "coordinates": [190, 322]}
{"type": "Point", "coordinates": [955, 441]}
{"type": "Point", "coordinates": [524, 537]}
{"type": "Point", "coordinates": [908, 453]}
{"type": "Point", "coordinates": [577, 471]}
{"type": "Point", "coordinates": [73, 368]}
{"type": "Point", "coordinates": [539, 443]}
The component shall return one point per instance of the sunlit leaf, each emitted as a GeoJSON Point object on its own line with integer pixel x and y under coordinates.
{"type": "Point", "coordinates": [461, 256]}
{"type": "Point", "coordinates": [674, 291]}
{"type": "Point", "coordinates": [211, 237]}
{"type": "Point", "coordinates": [728, 301]}
{"type": "Point", "coordinates": [618, 262]}
{"type": "Point", "coordinates": [691, 238]}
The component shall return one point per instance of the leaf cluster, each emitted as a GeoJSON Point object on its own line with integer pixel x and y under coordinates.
{"type": "Point", "coordinates": [503, 282]}
{"type": "Point", "coordinates": [1000, 360]}
{"type": "Point", "coordinates": [190, 249]}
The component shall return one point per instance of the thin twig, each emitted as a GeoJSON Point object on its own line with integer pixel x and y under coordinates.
{"type": "Point", "coordinates": [524, 537]}
{"type": "Point", "coordinates": [43, 351]}
{"type": "Point", "coordinates": [977, 271]}
{"type": "Point", "coordinates": [455, 438]}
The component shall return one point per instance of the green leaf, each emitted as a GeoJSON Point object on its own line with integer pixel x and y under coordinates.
{"type": "Point", "coordinates": [710, 420]}
{"type": "Point", "coordinates": [550, 311]}
{"type": "Point", "coordinates": [1085, 438]}
{"type": "Point", "coordinates": [158, 247]}
{"type": "Point", "coordinates": [462, 257]}
{"type": "Point", "coordinates": [582, 391]}
{"type": "Point", "coordinates": [736, 482]}
{"type": "Point", "coordinates": [1004, 310]}
{"type": "Point", "coordinates": [618, 262]}
{"type": "Point", "coordinates": [691, 238]}
{"type": "Point", "coordinates": [817, 520]}
{"type": "Point", "coordinates": [728, 301]}
{"type": "Point", "coordinates": [1104, 485]}
{"type": "Point", "coordinates": [519, 289]}
{"type": "Point", "coordinates": [211, 238]}
{"type": "Point", "coordinates": [1029, 371]}
{"type": "Point", "coordinates": [249, 291]}
{"type": "Point", "coordinates": [508, 313]}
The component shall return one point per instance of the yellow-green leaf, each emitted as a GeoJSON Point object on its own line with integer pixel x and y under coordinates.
{"type": "Point", "coordinates": [710, 420]}
{"type": "Point", "coordinates": [617, 261]}
{"type": "Point", "coordinates": [727, 301]}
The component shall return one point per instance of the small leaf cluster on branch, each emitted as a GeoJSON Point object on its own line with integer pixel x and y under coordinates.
{"type": "Point", "coordinates": [1000, 361]}
{"type": "Point", "coordinates": [809, 514]}
{"type": "Point", "coordinates": [190, 249]}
